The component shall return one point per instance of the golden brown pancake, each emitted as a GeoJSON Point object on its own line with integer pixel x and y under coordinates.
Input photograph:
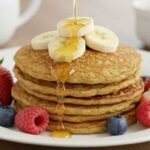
{"type": "Point", "coordinates": [97, 86]}
{"type": "Point", "coordinates": [92, 68]}
{"type": "Point", "coordinates": [75, 90]}
{"type": "Point", "coordinates": [129, 93]}
{"type": "Point", "coordinates": [86, 127]}
{"type": "Point", "coordinates": [90, 127]}
{"type": "Point", "coordinates": [28, 100]}
{"type": "Point", "coordinates": [77, 118]}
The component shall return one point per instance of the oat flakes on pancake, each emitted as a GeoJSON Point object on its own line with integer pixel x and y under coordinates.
{"type": "Point", "coordinates": [79, 119]}
{"type": "Point", "coordinates": [86, 127]}
{"type": "Point", "coordinates": [75, 90]}
{"type": "Point", "coordinates": [26, 99]}
{"type": "Point", "coordinates": [134, 91]}
{"type": "Point", "coordinates": [92, 68]}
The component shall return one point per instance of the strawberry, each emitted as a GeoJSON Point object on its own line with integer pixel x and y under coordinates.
{"type": "Point", "coordinates": [143, 110]}
{"type": "Point", "coordinates": [6, 83]}
{"type": "Point", "coordinates": [147, 83]}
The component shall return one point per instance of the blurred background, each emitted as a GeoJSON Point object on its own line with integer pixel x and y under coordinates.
{"type": "Point", "coordinates": [118, 15]}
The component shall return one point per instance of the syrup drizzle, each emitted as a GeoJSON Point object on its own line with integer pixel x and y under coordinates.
{"type": "Point", "coordinates": [65, 53]}
{"type": "Point", "coordinates": [77, 23]}
{"type": "Point", "coordinates": [62, 71]}
{"type": "Point", "coordinates": [75, 8]}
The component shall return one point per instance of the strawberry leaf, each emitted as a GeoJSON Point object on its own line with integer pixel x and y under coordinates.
{"type": "Point", "coordinates": [1, 60]}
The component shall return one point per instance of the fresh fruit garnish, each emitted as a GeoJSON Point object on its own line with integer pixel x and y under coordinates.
{"type": "Point", "coordinates": [40, 42]}
{"type": "Point", "coordinates": [102, 39]}
{"type": "Point", "coordinates": [33, 120]}
{"type": "Point", "coordinates": [69, 27]}
{"type": "Point", "coordinates": [147, 83]}
{"type": "Point", "coordinates": [65, 50]}
{"type": "Point", "coordinates": [143, 110]}
{"type": "Point", "coordinates": [117, 125]}
{"type": "Point", "coordinates": [7, 115]}
{"type": "Point", "coordinates": [6, 83]}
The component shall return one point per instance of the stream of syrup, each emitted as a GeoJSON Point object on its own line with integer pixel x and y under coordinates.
{"type": "Point", "coordinates": [62, 72]}
{"type": "Point", "coordinates": [75, 10]}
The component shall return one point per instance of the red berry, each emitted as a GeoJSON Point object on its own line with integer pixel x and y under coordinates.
{"type": "Point", "coordinates": [6, 83]}
{"type": "Point", "coordinates": [143, 110]}
{"type": "Point", "coordinates": [147, 84]}
{"type": "Point", "coordinates": [33, 120]}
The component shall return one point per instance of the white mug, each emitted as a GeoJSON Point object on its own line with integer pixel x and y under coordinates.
{"type": "Point", "coordinates": [142, 12]}
{"type": "Point", "coordinates": [10, 18]}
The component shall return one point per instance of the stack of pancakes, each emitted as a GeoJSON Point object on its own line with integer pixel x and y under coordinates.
{"type": "Point", "coordinates": [100, 85]}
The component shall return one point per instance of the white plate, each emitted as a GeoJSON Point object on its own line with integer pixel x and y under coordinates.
{"type": "Point", "coordinates": [135, 134]}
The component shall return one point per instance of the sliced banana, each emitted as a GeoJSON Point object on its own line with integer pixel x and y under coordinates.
{"type": "Point", "coordinates": [70, 27]}
{"type": "Point", "coordinates": [102, 39]}
{"type": "Point", "coordinates": [41, 41]}
{"type": "Point", "coordinates": [66, 49]}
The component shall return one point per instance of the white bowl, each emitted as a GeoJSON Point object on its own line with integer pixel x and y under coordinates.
{"type": "Point", "coordinates": [142, 12]}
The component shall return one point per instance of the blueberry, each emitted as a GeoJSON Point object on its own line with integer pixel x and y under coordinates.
{"type": "Point", "coordinates": [117, 125]}
{"type": "Point", "coordinates": [7, 115]}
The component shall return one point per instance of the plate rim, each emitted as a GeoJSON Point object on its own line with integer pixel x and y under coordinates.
{"type": "Point", "coordinates": [65, 143]}
{"type": "Point", "coordinates": [143, 136]}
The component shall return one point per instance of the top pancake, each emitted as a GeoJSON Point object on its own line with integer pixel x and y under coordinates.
{"type": "Point", "coordinates": [92, 68]}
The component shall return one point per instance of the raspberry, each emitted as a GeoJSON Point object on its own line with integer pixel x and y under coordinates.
{"type": "Point", "coordinates": [33, 120]}
{"type": "Point", "coordinates": [143, 110]}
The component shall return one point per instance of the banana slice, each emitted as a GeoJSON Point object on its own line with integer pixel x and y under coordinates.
{"type": "Point", "coordinates": [66, 49]}
{"type": "Point", "coordinates": [70, 27]}
{"type": "Point", "coordinates": [41, 41]}
{"type": "Point", "coordinates": [102, 39]}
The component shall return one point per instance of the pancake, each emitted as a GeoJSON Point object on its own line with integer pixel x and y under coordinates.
{"type": "Point", "coordinates": [86, 127]}
{"type": "Point", "coordinates": [92, 68]}
{"type": "Point", "coordinates": [129, 93]}
{"type": "Point", "coordinates": [28, 100]}
{"type": "Point", "coordinates": [80, 90]}
{"type": "Point", "coordinates": [89, 127]}
{"type": "Point", "coordinates": [78, 119]}
{"type": "Point", "coordinates": [97, 86]}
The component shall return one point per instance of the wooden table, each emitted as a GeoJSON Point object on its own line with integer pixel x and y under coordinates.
{"type": "Point", "coordinates": [117, 15]}
{"type": "Point", "coordinates": [15, 146]}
